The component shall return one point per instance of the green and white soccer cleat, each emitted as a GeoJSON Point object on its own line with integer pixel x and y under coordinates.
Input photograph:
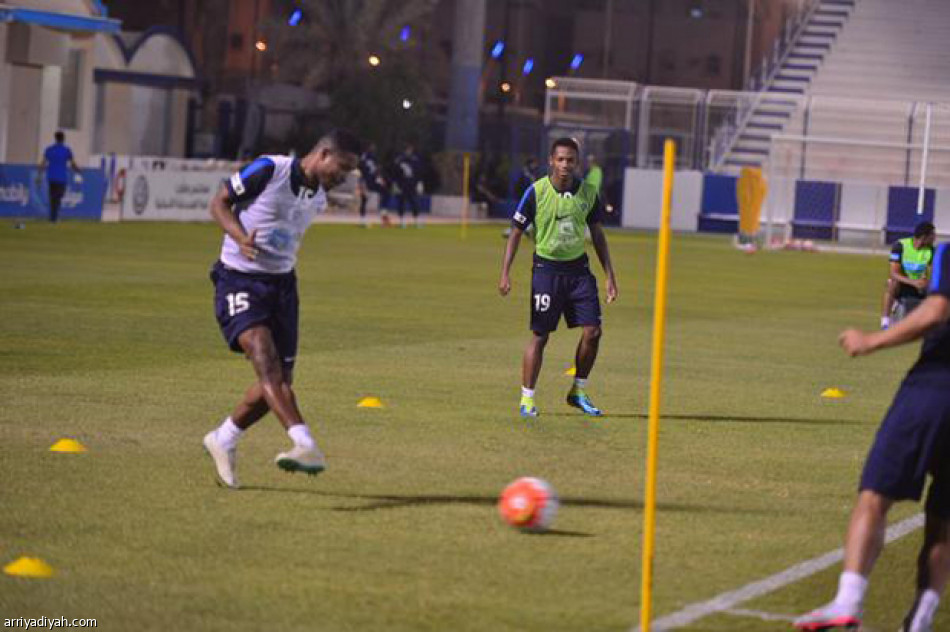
{"type": "Point", "coordinates": [579, 399]}
{"type": "Point", "coordinates": [527, 409]}
{"type": "Point", "coordinates": [224, 461]}
{"type": "Point", "coordinates": [298, 459]}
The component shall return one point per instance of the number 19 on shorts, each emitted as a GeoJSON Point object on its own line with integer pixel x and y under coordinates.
{"type": "Point", "coordinates": [542, 302]}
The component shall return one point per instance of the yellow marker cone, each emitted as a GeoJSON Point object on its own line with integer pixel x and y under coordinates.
{"type": "Point", "coordinates": [833, 393]}
{"type": "Point", "coordinates": [571, 371]}
{"type": "Point", "coordinates": [28, 567]}
{"type": "Point", "coordinates": [370, 402]}
{"type": "Point", "coordinates": [67, 445]}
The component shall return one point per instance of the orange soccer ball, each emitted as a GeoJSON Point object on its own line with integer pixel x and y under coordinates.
{"type": "Point", "coordinates": [529, 504]}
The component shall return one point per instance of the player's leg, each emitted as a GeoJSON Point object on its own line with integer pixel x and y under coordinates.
{"type": "Point", "coordinates": [239, 303]}
{"type": "Point", "coordinates": [414, 205]}
{"type": "Point", "coordinates": [56, 191]}
{"type": "Point", "coordinates": [887, 308]}
{"type": "Point", "coordinates": [933, 563]}
{"type": "Point", "coordinates": [530, 370]}
{"type": "Point", "coordinates": [933, 571]}
{"type": "Point", "coordinates": [384, 201]}
{"type": "Point", "coordinates": [363, 194]}
{"type": "Point", "coordinates": [253, 406]}
{"type": "Point", "coordinates": [401, 207]}
{"type": "Point", "coordinates": [863, 545]}
{"type": "Point", "coordinates": [258, 344]}
{"type": "Point", "coordinates": [895, 469]}
{"type": "Point", "coordinates": [545, 314]}
{"type": "Point", "coordinates": [582, 309]}
{"type": "Point", "coordinates": [224, 439]}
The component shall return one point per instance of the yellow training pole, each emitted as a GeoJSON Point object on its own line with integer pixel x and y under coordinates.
{"type": "Point", "coordinates": [466, 164]}
{"type": "Point", "coordinates": [656, 375]}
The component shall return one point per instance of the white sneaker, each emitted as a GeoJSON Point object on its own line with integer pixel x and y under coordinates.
{"type": "Point", "coordinates": [908, 625]}
{"type": "Point", "coordinates": [299, 459]}
{"type": "Point", "coordinates": [224, 460]}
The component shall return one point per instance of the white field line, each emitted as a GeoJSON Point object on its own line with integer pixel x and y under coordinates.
{"type": "Point", "coordinates": [731, 599]}
{"type": "Point", "coordinates": [758, 614]}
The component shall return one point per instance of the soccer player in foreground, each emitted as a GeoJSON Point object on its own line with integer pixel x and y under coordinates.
{"type": "Point", "coordinates": [908, 273]}
{"type": "Point", "coordinates": [264, 210]}
{"type": "Point", "coordinates": [562, 208]}
{"type": "Point", "coordinates": [913, 441]}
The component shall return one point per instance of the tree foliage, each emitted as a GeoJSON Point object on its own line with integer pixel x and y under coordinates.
{"type": "Point", "coordinates": [336, 37]}
{"type": "Point", "coordinates": [373, 104]}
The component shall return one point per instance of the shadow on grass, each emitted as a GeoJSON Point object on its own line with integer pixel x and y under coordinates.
{"type": "Point", "coordinates": [717, 418]}
{"type": "Point", "coordinates": [379, 502]}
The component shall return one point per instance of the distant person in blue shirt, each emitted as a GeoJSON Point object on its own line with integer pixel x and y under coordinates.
{"type": "Point", "coordinates": [56, 160]}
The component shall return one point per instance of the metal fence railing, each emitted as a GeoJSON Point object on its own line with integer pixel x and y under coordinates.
{"type": "Point", "coordinates": [883, 141]}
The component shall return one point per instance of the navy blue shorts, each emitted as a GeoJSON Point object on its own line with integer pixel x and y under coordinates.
{"type": "Point", "coordinates": [243, 300]}
{"type": "Point", "coordinates": [574, 295]}
{"type": "Point", "coordinates": [913, 441]}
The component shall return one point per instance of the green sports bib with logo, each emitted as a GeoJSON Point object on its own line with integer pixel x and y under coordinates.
{"type": "Point", "coordinates": [560, 220]}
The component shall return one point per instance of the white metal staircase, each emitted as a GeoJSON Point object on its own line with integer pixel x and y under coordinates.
{"type": "Point", "coordinates": [787, 83]}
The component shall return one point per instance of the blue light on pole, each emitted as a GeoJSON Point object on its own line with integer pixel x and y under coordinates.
{"type": "Point", "coordinates": [295, 17]}
{"type": "Point", "coordinates": [528, 66]}
{"type": "Point", "coordinates": [497, 49]}
{"type": "Point", "coordinates": [405, 33]}
{"type": "Point", "coordinates": [577, 61]}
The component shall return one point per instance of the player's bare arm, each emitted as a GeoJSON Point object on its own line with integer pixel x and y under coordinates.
{"type": "Point", "coordinates": [898, 275]}
{"type": "Point", "coordinates": [599, 238]}
{"type": "Point", "coordinates": [511, 249]}
{"type": "Point", "coordinates": [223, 214]}
{"type": "Point", "coordinates": [934, 311]}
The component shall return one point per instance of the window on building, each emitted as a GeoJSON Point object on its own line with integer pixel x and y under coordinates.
{"type": "Point", "coordinates": [713, 65]}
{"type": "Point", "coordinates": [237, 41]}
{"type": "Point", "coordinates": [69, 91]}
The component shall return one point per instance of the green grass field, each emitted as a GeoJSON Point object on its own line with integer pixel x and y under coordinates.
{"type": "Point", "coordinates": [107, 335]}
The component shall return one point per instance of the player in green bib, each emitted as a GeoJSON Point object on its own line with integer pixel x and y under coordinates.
{"type": "Point", "coordinates": [562, 208]}
{"type": "Point", "coordinates": [909, 273]}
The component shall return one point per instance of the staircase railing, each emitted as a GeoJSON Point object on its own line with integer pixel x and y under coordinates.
{"type": "Point", "coordinates": [782, 46]}
{"type": "Point", "coordinates": [792, 30]}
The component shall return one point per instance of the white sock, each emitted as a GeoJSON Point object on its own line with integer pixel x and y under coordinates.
{"type": "Point", "coordinates": [885, 321]}
{"type": "Point", "coordinates": [580, 383]}
{"type": "Point", "coordinates": [527, 392]}
{"type": "Point", "coordinates": [851, 589]}
{"type": "Point", "coordinates": [924, 614]}
{"type": "Point", "coordinates": [228, 434]}
{"type": "Point", "coordinates": [300, 435]}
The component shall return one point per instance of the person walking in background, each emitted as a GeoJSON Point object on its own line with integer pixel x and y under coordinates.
{"type": "Point", "coordinates": [57, 159]}
{"type": "Point", "coordinates": [529, 174]}
{"type": "Point", "coordinates": [912, 443]}
{"type": "Point", "coordinates": [407, 171]}
{"type": "Point", "coordinates": [595, 175]}
{"type": "Point", "coordinates": [372, 180]}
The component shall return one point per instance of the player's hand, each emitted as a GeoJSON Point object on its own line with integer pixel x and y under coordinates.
{"type": "Point", "coordinates": [855, 343]}
{"type": "Point", "coordinates": [921, 284]}
{"type": "Point", "coordinates": [504, 285]}
{"type": "Point", "coordinates": [248, 248]}
{"type": "Point", "coordinates": [611, 289]}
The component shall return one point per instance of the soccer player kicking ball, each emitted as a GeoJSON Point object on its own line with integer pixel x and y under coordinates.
{"type": "Point", "coordinates": [264, 210]}
{"type": "Point", "coordinates": [562, 208]}
{"type": "Point", "coordinates": [913, 441]}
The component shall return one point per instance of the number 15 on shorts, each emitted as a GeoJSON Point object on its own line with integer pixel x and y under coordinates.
{"type": "Point", "coordinates": [542, 302]}
{"type": "Point", "coordinates": [237, 303]}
